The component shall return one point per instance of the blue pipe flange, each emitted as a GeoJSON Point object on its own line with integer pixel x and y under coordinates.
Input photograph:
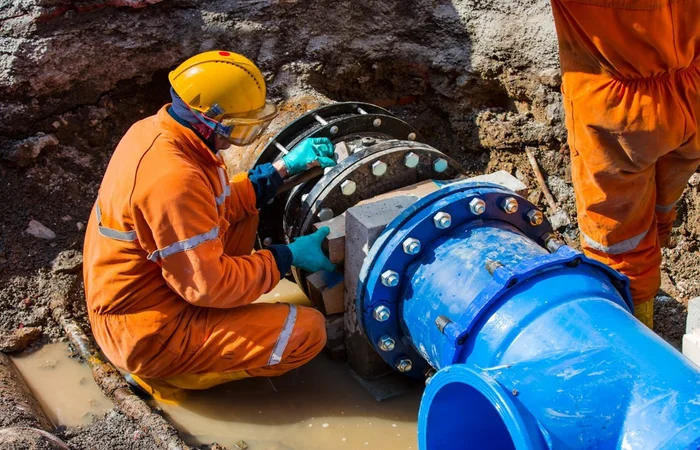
{"type": "Point", "coordinates": [454, 205]}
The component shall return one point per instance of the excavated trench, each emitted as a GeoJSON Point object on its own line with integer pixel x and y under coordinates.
{"type": "Point", "coordinates": [479, 81]}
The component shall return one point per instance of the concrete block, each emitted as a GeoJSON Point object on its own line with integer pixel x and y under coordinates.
{"type": "Point", "coordinates": [334, 244]}
{"type": "Point", "coordinates": [693, 321]}
{"type": "Point", "coordinates": [326, 291]}
{"type": "Point", "coordinates": [691, 346]}
{"type": "Point", "coordinates": [504, 179]}
{"type": "Point", "coordinates": [335, 344]}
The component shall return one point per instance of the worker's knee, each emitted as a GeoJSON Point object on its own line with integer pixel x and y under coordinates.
{"type": "Point", "coordinates": [309, 332]}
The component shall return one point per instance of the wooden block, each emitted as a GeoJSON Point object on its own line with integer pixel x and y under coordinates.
{"type": "Point", "coordinates": [334, 243]}
{"type": "Point", "coordinates": [326, 291]}
{"type": "Point", "coordinates": [335, 344]}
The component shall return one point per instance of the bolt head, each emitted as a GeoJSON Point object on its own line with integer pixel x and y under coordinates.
{"type": "Point", "coordinates": [390, 278]}
{"type": "Point", "coordinates": [510, 205]}
{"type": "Point", "coordinates": [442, 220]}
{"type": "Point", "coordinates": [536, 217]}
{"type": "Point", "coordinates": [440, 165]}
{"type": "Point", "coordinates": [348, 187]}
{"type": "Point", "coordinates": [411, 246]}
{"type": "Point", "coordinates": [386, 343]}
{"type": "Point", "coordinates": [404, 365]}
{"type": "Point", "coordinates": [377, 122]}
{"type": "Point", "coordinates": [411, 136]}
{"type": "Point", "coordinates": [379, 168]}
{"type": "Point", "coordinates": [325, 214]}
{"type": "Point", "coordinates": [477, 206]}
{"type": "Point", "coordinates": [267, 241]}
{"type": "Point", "coordinates": [381, 313]}
{"type": "Point", "coordinates": [411, 160]}
{"type": "Point", "coordinates": [367, 141]}
{"type": "Point", "coordinates": [334, 129]}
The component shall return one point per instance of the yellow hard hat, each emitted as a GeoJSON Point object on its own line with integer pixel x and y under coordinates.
{"type": "Point", "coordinates": [228, 89]}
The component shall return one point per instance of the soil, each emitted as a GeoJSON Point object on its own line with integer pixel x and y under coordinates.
{"type": "Point", "coordinates": [479, 80]}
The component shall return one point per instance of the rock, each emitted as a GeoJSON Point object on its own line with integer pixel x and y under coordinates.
{"type": "Point", "coordinates": [80, 226]}
{"type": "Point", "coordinates": [550, 77]}
{"type": "Point", "coordinates": [560, 219]}
{"type": "Point", "coordinates": [25, 151]}
{"type": "Point", "coordinates": [37, 229]}
{"type": "Point", "coordinates": [66, 218]}
{"type": "Point", "coordinates": [68, 261]}
{"type": "Point", "coordinates": [20, 339]}
{"type": "Point", "coordinates": [694, 180]}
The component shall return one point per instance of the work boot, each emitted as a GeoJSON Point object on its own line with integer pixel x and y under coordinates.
{"type": "Point", "coordinates": [645, 313]}
{"type": "Point", "coordinates": [156, 389]}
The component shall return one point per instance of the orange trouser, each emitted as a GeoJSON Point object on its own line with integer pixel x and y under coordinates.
{"type": "Point", "coordinates": [241, 341]}
{"type": "Point", "coordinates": [631, 80]}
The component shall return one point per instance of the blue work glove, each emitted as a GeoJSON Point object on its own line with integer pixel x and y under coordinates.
{"type": "Point", "coordinates": [309, 152]}
{"type": "Point", "coordinates": [307, 253]}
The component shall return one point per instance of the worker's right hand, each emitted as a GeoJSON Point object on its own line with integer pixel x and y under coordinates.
{"type": "Point", "coordinates": [307, 253]}
{"type": "Point", "coordinates": [308, 153]}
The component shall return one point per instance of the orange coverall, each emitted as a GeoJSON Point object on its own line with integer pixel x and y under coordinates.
{"type": "Point", "coordinates": [631, 81]}
{"type": "Point", "coordinates": [169, 274]}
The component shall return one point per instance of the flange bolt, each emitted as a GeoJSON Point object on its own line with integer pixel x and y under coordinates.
{"type": "Point", "coordinates": [386, 343]}
{"type": "Point", "coordinates": [381, 313]}
{"type": "Point", "coordinates": [334, 129]}
{"type": "Point", "coordinates": [411, 136]}
{"type": "Point", "coordinates": [348, 187]}
{"type": "Point", "coordinates": [510, 205]}
{"type": "Point", "coordinates": [442, 220]}
{"type": "Point", "coordinates": [390, 278]}
{"type": "Point", "coordinates": [411, 246]}
{"type": "Point", "coordinates": [377, 123]}
{"type": "Point", "coordinates": [411, 160]}
{"type": "Point", "coordinates": [325, 214]}
{"type": "Point", "coordinates": [535, 217]}
{"type": "Point", "coordinates": [378, 168]}
{"type": "Point", "coordinates": [404, 365]}
{"type": "Point", "coordinates": [440, 165]}
{"type": "Point", "coordinates": [267, 241]}
{"type": "Point", "coordinates": [477, 206]}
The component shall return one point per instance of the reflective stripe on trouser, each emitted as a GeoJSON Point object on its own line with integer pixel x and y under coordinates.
{"type": "Point", "coordinates": [632, 122]}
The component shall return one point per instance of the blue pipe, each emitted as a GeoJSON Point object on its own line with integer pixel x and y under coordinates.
{"type": "Point", "coordinates": [535, 349]}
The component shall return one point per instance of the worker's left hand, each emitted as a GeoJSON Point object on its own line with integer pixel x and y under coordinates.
{"type": "Point", "coordinates": [307, 253]}
{"type": "Point", "coordinates": [309, 153]}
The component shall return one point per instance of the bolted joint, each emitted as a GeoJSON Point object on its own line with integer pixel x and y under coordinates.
{"type": "Point", "coordinates": [348, 187]}
{"type": "Point", "coordinates": [378, 168]}
{"type": "Point", "coordinates": [509, 205]}
{"type": "Point", "coordinates": [325, 214]}
{"type": "Point", "coordinates": [390, 278]}
{"type": "Point", "coordinates": [386, 343]}
{"type": "Point", "coordinates": [440, 165]}
{"type": "Point", "coordinates": [381, 313]}
{"type": "Point", "coordinates": [442, 220]}
{"type": "Point", "coordinates": [411, 160]}
{"type": "Point", "coordinates": [535, 217]}
{"type": "Point", "coordinates": [477, 206]}
{"type": "Point", "coordinates": [404, 365]}
{"type": "Point", "coordinates": [411, 246]}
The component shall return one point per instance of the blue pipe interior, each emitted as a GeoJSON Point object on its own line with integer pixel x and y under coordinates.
{"type": "Point", "coordinates": [542, 353]}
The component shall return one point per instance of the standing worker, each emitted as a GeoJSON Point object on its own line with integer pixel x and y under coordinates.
{"type": "Point", "coordinates": [169, 273]}
{"type": "Point", "coordinates": [631, 88]}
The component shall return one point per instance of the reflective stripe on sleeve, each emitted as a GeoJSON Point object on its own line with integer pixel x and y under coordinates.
{"type": "Point", "coordinates": [615, 249]}
{"type": "Point", "coordinates": [225, 187]}
{"type": "Point", "coordinates": [184, 245]}
{"type": "Point", "coordinates": [665, 208]}
{"type": "Point", "coordinates": [127, 236]}
{"type": "Point", "coordinates": [283, 339]}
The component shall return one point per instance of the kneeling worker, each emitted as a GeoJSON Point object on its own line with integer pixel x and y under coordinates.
{"type": "Point", "coordinates": [169, 270]}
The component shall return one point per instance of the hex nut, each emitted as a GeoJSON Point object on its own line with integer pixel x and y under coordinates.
{"type": "Point", "coordinates": [536, 217]}
{"type": "Point", "coordinates": [509, 205]}
{"type": "Point", "coordinates": [477, 206]}
{"type": "Point", "coordinates": [390, 278]}
{"type": "Point", "coordinates": [411, 160]}
{"type": "Point", "coordinates": [440, 165]}
{"type": "Point", "coordinates": [379, 168]}
{"type": "Point", "coordinates": [411, 246]}
{"type": "Point", "coordinates": [348, 187]}
{"type": "Point", "coordinates": [404, 365]}
{"type": "Point", "coordinates": [377, 122]}
{"type": "Point", "coordinates": [411, 136]}
{"type": "Point", "coordinates": [334, 129]}
{"type": "Point", "coordinates": [442, 220]}
{"type": "Point", "coordinates": [367, 141]}
{"type": "Point", "coordinates": [325, 214]}
{"type": "Point", "coordinates": [381, 313]}
{"type": "Point", "coordinates": [386, 343]}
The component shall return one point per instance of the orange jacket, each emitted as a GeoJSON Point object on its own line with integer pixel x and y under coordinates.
{"type": "Point", "coordinates": [153, 243]}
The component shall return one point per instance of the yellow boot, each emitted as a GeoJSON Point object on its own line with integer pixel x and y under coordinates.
{"type": "Point", "coordinates": [161, 390]}
{"type": "Point", "coordinates": [645, 313]}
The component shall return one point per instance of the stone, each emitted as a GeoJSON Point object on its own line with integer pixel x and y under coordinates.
{"type": "Point", "coordinates": [68, 261]}
{"type": "Point", "coordinates": [694, 180]}
{"type": "Point", "coordinates": [37, 229]}
{"type": "Point", "coordinates": [560, 219]}
{"type": "Point", "coordinates": [550, 77]}
{"type": "Point", "coordinates": [505, 179]}
{"type": "Point", "coordinates": [23, 152]}
{"type": "Point", "coordinates": [19, 340]}
{"type": "Point", "coordinates": [80, 226]}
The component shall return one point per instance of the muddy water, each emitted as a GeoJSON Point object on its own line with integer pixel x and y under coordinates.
{"type": "Point", "coordinates": [64, 387]}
